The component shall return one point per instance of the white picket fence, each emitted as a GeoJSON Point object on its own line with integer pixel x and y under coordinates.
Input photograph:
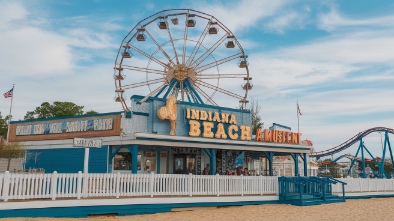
{"type": "Point", "coordinates": [72, 185]}
{"type": "Point", "coordinates": [64, 185]}
{"type": "Point", "coordinates": [364, 185]}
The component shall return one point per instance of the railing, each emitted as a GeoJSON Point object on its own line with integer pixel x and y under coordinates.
{"type": "Point", "coordinates": [290, 187]}
{"type": "Point", "coordinates": [316, 190]}
{"type": "Point", "coordinates": [365, 185]}
{"type": "Point", "coordinates": [62, 185]}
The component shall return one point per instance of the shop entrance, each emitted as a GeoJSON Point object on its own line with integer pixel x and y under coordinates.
{"type": "Point", "coordinates": [184, 163]}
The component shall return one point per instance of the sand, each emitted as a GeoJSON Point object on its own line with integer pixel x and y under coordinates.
{"type": "Point", "coordinates": [365, 209]}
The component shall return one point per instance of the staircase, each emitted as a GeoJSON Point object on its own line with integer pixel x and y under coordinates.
{"type": "Point", "coordinates": [307, 191]}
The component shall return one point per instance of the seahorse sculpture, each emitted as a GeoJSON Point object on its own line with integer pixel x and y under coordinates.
{"type": "Point", "coordinates": [169, 112]}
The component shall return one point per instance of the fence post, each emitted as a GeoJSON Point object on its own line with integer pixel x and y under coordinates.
{"type": "Point", "coordinates": [217, 184]}
{"type": "Point", "coordinates": [261, 184]}
{"type": "Point", "coordinates": [79, 185]}
{"type": "Point", "coordinates": [54, 185]}
{"type": "Point", "coordinates": [242, 185]}
{"type": "Point", "coordinates": [151, 182]}
{"type": "Point", "coordinates": [6, 186]}
{"type": "Point", "coordinates": [190, 184]}
{"type": "Point", "coordinates": [369, 185]}
{"type": "Point", "coordinates": [117, 184]}
{"type": "Point", "coordinates": [85, 185]}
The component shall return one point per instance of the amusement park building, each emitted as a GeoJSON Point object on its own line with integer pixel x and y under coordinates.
{"type": "Point", "coordinates": [172, 129]}
{"type": "Point", "coordinates": [139, 141]}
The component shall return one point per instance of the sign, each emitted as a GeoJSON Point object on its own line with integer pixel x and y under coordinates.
{"type": "Point", "coordinates": [278, 136]}
{"type": "Point", "coordinates": [210, 129]}
{"type": "Point", "coordinates": [65, 126]}
{"type": "Point", "coordinates": [87, 143]}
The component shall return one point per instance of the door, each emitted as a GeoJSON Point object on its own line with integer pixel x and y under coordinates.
{"type": "Point", "coordinates": [184, 163]}
{"type": "Point", "coordinates": [190, 164]}
{"type": "Point", "coordinates": [179, 164]}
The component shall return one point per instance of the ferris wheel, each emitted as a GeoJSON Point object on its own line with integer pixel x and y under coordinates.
{"type": "Point", "coordinates": [185, 53]}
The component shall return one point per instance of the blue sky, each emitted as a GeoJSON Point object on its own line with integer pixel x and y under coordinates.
{"type": "Point", "coordinates": [335, 57]}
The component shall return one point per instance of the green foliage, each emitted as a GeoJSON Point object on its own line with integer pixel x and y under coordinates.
{"type": "Point", "coordinates": [387, 167]}
{"type": "Point", "coordinates": [256, 119]}
{"type": "Point", "coordinates": [57, 109]}
{"type": "Point", "coordinates": [3, 126]}
{"type": "Point", "coordinates": [91, 112]}
{"type": "Point", "coordinates": [330, 168]}
{"type": "Point", "coordinates": [10, 151]}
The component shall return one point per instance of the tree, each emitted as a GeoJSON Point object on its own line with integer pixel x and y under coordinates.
{"type": "Point", "coordinates": [91, 112]}
{"type": "Point", "coordinates": [57, 109]}
{"type": "Point", "coordinates": [3, 126]}
{"type": "Point", "coordinates": [256, 119]}
{"type": "Point", "coordinates": [330, 168]}
{"type": "Point", "coordinates": [11, 150]}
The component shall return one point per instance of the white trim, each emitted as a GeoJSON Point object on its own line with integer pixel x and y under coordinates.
{"type": "Point", "coordinates": [368, 194]}
{"type": "Point", "coordinates": [198, 142]}
{"type": "Point", "coordinates": [167, 140]}
{"type": "Point", "coordinates": [219, 141]}
{"type": "Point", "coordinates": [130, 201]}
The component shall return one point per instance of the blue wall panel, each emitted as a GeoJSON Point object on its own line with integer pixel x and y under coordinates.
{"type": "Point", "coordinates": [98, 160]}
{"type": "Point", "coordinates": [67, 160]}
{"type": "Point", "coordinates": [62, 160]}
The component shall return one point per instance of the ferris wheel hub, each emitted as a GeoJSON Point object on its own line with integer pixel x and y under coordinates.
{"type": "Point", "coordinates": [181, 72]}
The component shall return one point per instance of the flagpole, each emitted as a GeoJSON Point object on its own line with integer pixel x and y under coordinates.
{"type": "Point", "coordinates": [298, 118]}
{"type": "Point", "coordinates": [9, 120]}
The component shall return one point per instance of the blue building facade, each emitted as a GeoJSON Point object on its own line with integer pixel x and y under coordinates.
{"type": "Point", "coordinates": [188, 138]}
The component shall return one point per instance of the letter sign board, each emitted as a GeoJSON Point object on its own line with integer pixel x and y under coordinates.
{"type": "Point", "coordinates": [87, 143]}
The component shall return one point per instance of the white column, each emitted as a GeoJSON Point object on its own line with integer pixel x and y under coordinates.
{"type": "Point", "coordinates": [85, 173]}
{"type": "Point", "coordinates": [86, 162]}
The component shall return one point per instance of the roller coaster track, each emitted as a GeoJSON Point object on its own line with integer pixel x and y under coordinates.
{"type": "Point", "coordinates": [351, 157]}
{"type": "Point", "coordinates": [348, 156]}
{"type": "Point", "coordinates": [350, 142]}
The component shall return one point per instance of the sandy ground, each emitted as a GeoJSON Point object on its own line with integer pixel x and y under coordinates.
{"type": "Point", "coordinates": [366, 209]}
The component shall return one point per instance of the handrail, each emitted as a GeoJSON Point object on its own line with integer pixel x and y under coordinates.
{"type": "Point", "coordinates": [290, 179]}
{"type": "Point", "coordinates": [337, 181]}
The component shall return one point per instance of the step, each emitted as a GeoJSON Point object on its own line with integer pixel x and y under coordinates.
{"type": "Point", "coordinates": [307, 202]}
{"type": "Point", "coordinates": [337, 200]}
{"type": "Point", "coordinates": [297, 197]}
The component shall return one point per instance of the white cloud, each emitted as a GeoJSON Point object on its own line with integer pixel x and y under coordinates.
{"type": "Point", "coordinates": [325, 60]}
{"type": "Point", "coordinates": [288, 20]}
{"type": "Point", "coordinates": [31, 51]}
{"type": "Point", "coordinates": [334, 20]}
{"type": "Point", "coordinates": [277, 73]}
{"type": "Point", "coordinates": [361, 47]}
{"type": "Point", "coordinates": [244, 14]}
{"type": "Point", "coordinates": [11, 11]}
{"type": "Point", "coordinates": [85, 38]}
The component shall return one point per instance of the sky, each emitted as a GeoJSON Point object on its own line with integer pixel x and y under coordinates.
{"type": "Point", "coordinates": [336, 58]}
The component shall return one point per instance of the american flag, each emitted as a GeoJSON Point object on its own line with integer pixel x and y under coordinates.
{"type": "Point", "coordinates": [8, 93]}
